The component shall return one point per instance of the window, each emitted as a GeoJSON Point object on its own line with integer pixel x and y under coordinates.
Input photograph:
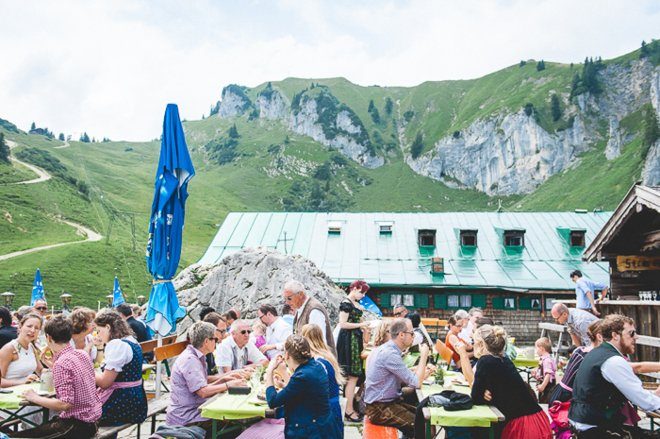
{"type": "Point", "coordinates": [536, 304]}
{"type": "Point", "coordinates": [453, 301]}
{"type": "Point", "coordinates": [509, 303]}
{"type": "Point", "coordinates": [385, 227]}
{"type": "Point", "coordinates": [549, 302]}
{"type": "Point", "coordinates": [577, 238]}
{"type": "Point", "coordinates": [466, 301]}
{"type": "Point", "coordinates": [514, 238]}
{"type": "Point", "coordinates": [409, 300]}
{"type": "Point", "coordinates": [426, 237]}
{"type": "Point", "coordinates": [469, 238]}
{"type": "Point", "coordinates": [395, 299]}
{"type": "Point", "coordinates": [334, 227]}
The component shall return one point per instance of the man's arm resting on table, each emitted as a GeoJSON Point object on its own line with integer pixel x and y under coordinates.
{"type": "Point", "coordinates": [617, 371]}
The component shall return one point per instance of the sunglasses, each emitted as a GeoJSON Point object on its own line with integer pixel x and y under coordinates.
{"type": "Point", "coordinates": [632, 333]}
{"type": "Point", "coordinates": [409, 332]}
{"type": "Point", "coordinates": [246, 331]}
{"type": "Point", "coordinates": [41, 308]}
{"type": "Point", "coordinates": [221, 331]}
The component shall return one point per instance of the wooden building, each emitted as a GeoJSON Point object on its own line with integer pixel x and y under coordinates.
{"type": "Point", "coordinates": [511, 264]}
{"type": "Point", "coordinates": [630, 243]}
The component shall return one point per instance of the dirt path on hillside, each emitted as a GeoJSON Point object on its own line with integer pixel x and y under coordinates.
{"type": "Point", "coordinates": [66, 145]}
{"type": "Point", "coordinates": [43, 175]}
{"type": "Point", "coordinates": [89, 234]}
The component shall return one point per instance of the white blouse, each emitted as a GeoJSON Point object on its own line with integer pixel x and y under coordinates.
{"type": "Point", "coordinates": [118, 354]}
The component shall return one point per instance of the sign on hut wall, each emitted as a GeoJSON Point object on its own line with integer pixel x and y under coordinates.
{"type": "Point", "coordinates": [637, 263]}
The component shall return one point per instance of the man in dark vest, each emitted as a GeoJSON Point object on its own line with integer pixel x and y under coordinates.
{"type": "Point", "coordinates": [308, 310]}
{"type": "Point", "coordinates": [605, 381]}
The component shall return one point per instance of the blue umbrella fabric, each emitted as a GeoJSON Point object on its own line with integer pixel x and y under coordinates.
{"type": "Point", "coordinates": [175, 169]}
{"type": "Point", "coordinates": [117, 295]}
{"type": "Point", "coordinates": [37, 288]}
{"type": "Point", "coordinates": [370, 306]}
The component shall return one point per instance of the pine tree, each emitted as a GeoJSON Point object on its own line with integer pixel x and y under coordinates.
{"type": "Point", "coordinates": [417, 146]}
{"type": "Point", "coordinates": [651, 129]}
{"type": "Point", "coordinates": [33, 126]}
{"type": "Point", "coordinates": [61, 137]}
{"type": "Point", "coordinates": [555, 108]}
{"type": "Point", "coordinates": [540, 66]}
{"type": "Point", "coordinates": [371, 106]}
{"type": "Point", "coordinates": [233, 132]}
{"type": "Point", "coordinates": [389, 106]}
{"type": "Point", "coordinates": [84, 137]}
{"type": "Point", "coordinates": [4, 149]}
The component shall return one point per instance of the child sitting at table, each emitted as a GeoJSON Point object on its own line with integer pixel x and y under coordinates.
{"type": "Point", "coordinates": [75, 388]}
{"type": "Point", "coordinates": [545, 373]}
{"type": "Point", "coordinates": [259, 334]}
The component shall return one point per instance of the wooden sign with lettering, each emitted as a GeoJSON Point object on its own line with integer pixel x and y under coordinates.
{"type": "Point", "coordinates": [637, 263]}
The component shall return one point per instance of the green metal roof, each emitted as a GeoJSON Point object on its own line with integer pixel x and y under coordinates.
{"type": "Point", "coordinates": [360, 251]}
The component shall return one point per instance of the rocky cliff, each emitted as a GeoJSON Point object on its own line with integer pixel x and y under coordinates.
{"type": "Point", "coordinates": [250, 278]}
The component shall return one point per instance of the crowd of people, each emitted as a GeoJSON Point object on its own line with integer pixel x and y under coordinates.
{"type": "Point", "coordinates": [305, 366]}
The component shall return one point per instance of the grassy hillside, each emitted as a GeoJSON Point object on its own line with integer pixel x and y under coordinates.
{"type": "Point", "coordinates": [108, 187]}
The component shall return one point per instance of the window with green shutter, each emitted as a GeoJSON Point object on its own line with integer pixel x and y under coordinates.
{"type": "Point", "coordinates": [440, 301]}
{"type": "Point", "coordinates": [509, 303]}
{"type": "Point", "coordinates": [503, 302]}
{"type": "Point", "coordinates": [479, 301]}
{"type": "Point", "coordinates": [384, 300]}
{"type": "Point", "coordinates": [421, 300]}
{"type": "Point", "coordinates": [530, 302]}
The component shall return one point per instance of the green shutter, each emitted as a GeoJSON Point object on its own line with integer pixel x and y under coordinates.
{"type": "Point", "coordinates": [479, 301]}
{"type": "Point", "coordinates": [421, 300]}
{"type": "Point", "coordinates": [384, 300]}
{"type": "Point", "coordinates": [525, 302]}
{"type": "Point", "coordinates": [440, 301]}
{"type": "Point", "coordinates": [498, 302]}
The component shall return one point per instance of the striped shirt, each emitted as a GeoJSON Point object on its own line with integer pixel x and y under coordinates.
{"type": "Point", "coordinates": [386, 373]}
{"type": "Point", "coordinates": [578, 323]}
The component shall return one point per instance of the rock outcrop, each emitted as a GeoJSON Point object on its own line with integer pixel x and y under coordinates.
{"type": "Point", "coordinates": [249, 278]}
{"type": "Point", "coordinates": [613, 148]}
{"type": "Point", "coordinates": [651, 171]}
{"type": "Point", "coordinates": [234, 102]}
{"type": "Point", "coordinates": [506, 154]}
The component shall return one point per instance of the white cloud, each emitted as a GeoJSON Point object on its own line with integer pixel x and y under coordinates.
{"type": "Point", "coordinates": [110, 67]}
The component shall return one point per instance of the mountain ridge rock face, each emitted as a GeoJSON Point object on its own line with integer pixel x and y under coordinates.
{"type": "Point", "coordinates": [504, 153]}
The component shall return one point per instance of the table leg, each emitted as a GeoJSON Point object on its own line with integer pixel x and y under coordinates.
{"type": "Point", "coordinates": [491, 432]}
{"type": "Point", "coordinates": [214, 429]}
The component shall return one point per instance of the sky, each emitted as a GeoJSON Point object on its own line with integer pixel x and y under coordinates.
{"type": "Point", "coordinates": [110, 67]}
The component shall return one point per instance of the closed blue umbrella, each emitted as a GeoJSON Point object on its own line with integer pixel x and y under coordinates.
{"type": "Point", "coordinates": [175, 169]}
{"type": "Point", "coordinates": [37, 288]}
{"type": "Point", "coordinates": [117, 295]}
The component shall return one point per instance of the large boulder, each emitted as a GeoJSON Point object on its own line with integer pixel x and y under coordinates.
{"type": "Point", "coordinates": [249, 278]}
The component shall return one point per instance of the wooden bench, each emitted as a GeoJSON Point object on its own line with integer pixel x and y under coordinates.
{"type": "Point", "coordinates": [154, 408]}
{"type": "Point", "coordinates": [434, 325]}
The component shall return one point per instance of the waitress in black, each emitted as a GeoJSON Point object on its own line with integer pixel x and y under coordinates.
{"type": "Point", "coordinates": [349, 343]}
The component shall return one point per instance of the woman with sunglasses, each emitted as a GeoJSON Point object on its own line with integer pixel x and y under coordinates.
{"type": "Point", "coordinates": [19, 359]}
{"type": "Point", "coordinates": [120, 383]}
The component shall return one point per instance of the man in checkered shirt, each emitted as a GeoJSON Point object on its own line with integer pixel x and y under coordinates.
{"type": "Point", "coordinates": [75, 389]}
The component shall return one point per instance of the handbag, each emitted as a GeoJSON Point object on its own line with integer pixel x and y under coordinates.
{"type": "Point", "coordinates": [451, 401]}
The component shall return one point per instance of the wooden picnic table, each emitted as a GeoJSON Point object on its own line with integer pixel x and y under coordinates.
{"type": "Point", "coordinates": [18, 408]}
{"type": "Point", "coordinates": [235, 411]}
{"type": "Point", "coordinates": [484, 416]}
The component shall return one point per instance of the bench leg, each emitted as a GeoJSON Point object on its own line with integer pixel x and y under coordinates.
{"type": "Point", "coordinates": [153, 424]}
{"type": "Point", "coordinates": [138, 430]}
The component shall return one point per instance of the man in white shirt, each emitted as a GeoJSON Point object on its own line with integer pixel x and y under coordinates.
{"type": "Point", "coordinates": [238, 351]}
{"type": "Point", "coordinates": [605, 382]}
{"type": "Point", "coordinates": [466, 332]}
{"type": "Point", "coordinates": [277, 331]}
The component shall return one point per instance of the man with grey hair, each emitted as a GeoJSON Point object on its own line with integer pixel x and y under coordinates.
{"type": "Point", "coordinates": [190, 386]}
{"type": "Point", "coordinates": [577, 320]}
{"type": "Point", "coordinates": [473, 315]}
{"type": "Point", "coordinates": [237, 351]}
{"type": "Point", "coordinates": [308, 310]}
{"type": "Point", "coordinates": [386, 373]}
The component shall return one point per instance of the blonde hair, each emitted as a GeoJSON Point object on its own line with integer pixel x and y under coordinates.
{"type": "Point", "coordinates": [544, 342]}
{"type": "Point", "coordinates": [383, 334]}
{"type": "Point", "coordinates": [81, 318]}
{"type": "Point", "coordinates": [298, 348]}
{"type": "Point", "coordinates": [314, 336]}
{"type": "Point", "coordinates": [259, 326]}
{"type": "Point", "coordinates": [489, 339]}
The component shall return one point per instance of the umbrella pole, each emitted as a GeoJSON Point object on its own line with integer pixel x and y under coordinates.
{"type": "Point", "coordinates": [159, 343]}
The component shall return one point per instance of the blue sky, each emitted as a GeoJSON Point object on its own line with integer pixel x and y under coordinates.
{"type": "Point", "coordinates": [110, 67]}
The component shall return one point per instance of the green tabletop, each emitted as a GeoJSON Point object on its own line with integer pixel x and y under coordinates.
{"type": "Point", "coordinates": [477, 416]}
{"type": "Point", "coordinates": [233, 407]}
{"type": "Point", "coordinates": [11, 401]}
{"type": "Point", "coordinates": [525, 362]}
